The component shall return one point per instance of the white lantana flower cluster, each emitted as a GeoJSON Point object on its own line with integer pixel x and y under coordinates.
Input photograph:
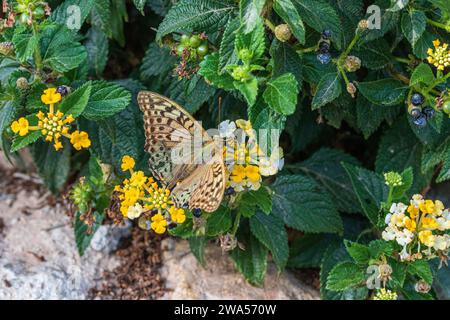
{"type": "Point", "coordinates": [420, 228]}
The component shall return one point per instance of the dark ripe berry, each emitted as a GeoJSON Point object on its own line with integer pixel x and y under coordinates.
{"type": "Point", "coordinates": [326, 34]}
{"type": "Point", "coordinates": [415, 112]}
{"type": "Point", "coordinates": [63, 90]}
{"type": "Point", "coordinates": [429, 112]}
{"type": "Point", "coordinates": [420, 121]}
{"type": "Point", "coordinates": [324, 47]}
{"type": "Point", "coordinates": [196, 212]}
{"type": "Point", "coordinates": [171, 226]}
{"type": "Point", "coordinates": [202, 50]}
{"type": "Point", "coordinates": [417, 99]}
{"type": "Point", "coordinates": [229, 191]}
{"type": "Point", "coordinates": [195, 41]}
{"type": "Point", "coordinates": [446, 107]}
{"type": "Point", "coordinates": [185, 39]}
{"type": "Point", "coordinates": [324, 58]}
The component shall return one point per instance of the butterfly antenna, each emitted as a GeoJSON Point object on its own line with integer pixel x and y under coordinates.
{"type": "Point", "coordinates": [220, 108]}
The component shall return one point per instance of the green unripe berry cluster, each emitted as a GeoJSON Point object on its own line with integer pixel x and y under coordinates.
{"type": "Point", "coordinates": [446, 107]}
{"type": "Point", "coordinates": [29, 10]}
{"type": "Point", "coordinates": [192, 46]}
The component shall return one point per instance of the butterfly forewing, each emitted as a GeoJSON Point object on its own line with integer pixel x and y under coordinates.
{"type": "Point", "coordinates": [167, 125]}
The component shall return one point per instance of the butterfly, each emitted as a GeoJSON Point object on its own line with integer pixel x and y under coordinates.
{"type": "Point", "coordinates": [198, 185]}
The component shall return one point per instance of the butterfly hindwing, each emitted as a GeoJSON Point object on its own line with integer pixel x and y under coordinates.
{"type": "Point", "coordinates": [167, 125]}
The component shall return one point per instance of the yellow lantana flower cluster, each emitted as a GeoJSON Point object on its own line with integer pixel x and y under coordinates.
{"type": "Point", "coordinates": [439, 56]}
{"type": "Point", "coordinates": [421, 228]}
{"type": "Point", "coordinates": [141, 198]}
{"type": "Point", "coordinates": [246, 163]}
{"type": "Point", "coordinates": [53, 125]}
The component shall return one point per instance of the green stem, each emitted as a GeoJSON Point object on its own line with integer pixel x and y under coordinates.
{"type": "Point", "coordinates": [344, 55]}
{"type": "Point", "coordinates": [389, 200]}
{"type": "Point", "coordinates": [37, 52]}
{"type": "Point", "coordinates": [344, 75]}
{"type": "Point", "coordinates": [236, 223]}
{"type": "Point", "coordinates": [269, 24]}
{"type": "Point", "coordinates": [307, 50]}
{"type": "Point", "coordinates": [402, 60]}
{"type": "Point", "coordinates": [439, 25]}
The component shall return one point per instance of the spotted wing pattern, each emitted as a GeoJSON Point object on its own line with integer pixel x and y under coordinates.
{"type": "Point", "coordinates": [166, 126]}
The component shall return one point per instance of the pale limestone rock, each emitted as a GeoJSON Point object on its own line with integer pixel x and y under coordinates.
{"type": "Point", "coordinates": [187, 279]}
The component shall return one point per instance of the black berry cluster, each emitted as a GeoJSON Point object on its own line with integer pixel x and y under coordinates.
{"type": "Point", "coordinates": [323, 53]}
{"type": "Point", "coordinates": [420, 114]}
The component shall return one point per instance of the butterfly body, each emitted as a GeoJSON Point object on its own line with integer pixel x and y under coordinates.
{"type": "Point", "coordinates": [177, 145]}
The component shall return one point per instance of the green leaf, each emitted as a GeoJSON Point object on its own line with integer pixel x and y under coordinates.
{"type": "Point", "coordinates": [286, 60]}
{"type": "Point", "coordinates": [273, 123]}
{"type": "Point", "coordinates": [328, 89]}
{"type": "Point", "coordinates": [369, 188]}
{"type": "Point", "coordinates": [386, 92]}
{"type": "Point", "coordinates": [21, 142]}
{"type": "Point", "coordinates": [374, 55]}
{"type": "Point", "coordinates": [287, 11]}
{"type": "Point", "coordinates": [25, 43]}
{"type": "Point", "coordinates": [119, 135]}
{"type": "Point", "coordinates": [249, 90]}
{"type": "Point", "coordinates": [191, 93]}
{"type": "Point", "coordinates": [308, 250]}
{"type": "Point", "coordinates": [370, 116]}
{"type": "Point", "coordinates": [101, 16]}
{"type": "Point", "coordinates": [140, 5]}
{"type": "Point", "coordinates": [325, 167]}
{"type": "Point", "coordinates": [344, 275]}
{"type": "Point", "coordinates": [269, 229]}
{"type": "Point", "coordinates": [60, 50]}
{"type": "Point", "coordinates": [227, 54]}
{"type": "Point", "coordinates": [255, 41]}
{"type": "Point", "coordinates": [407, 179]}
{"type": "Point", "coordinates": [157, 60]}
{"type": "Point", "coordinates": [251, 262]}
{"type": "Point", "coordinates": [304, 206]}
{"type": "Point", "coordinates": [359, 252]}
{"type": "Point", "coordinates": [334, 254]}
{"type": "Point", "coordinates": [320, 16]}
{"type": "Point", "coordinates": [76, 102]}
{"type": "Point", "coordinates": [197, 15]}
{"type": "Point", "coordinates": [398, 150]}
{"type": "Point", "coordinates": [209, 68]}
{"type": "Point", "coordinates": [7, 112]}
{"type": "Point", "coordinates": [260, 198]}
{"type": "Point", "coordinates": [83, 235]}
{"type": "Point", "coordinates": [414, 23]}
{"type": "Point", "coordinates": [423, 44]}
{"type": "Point", "coordinates": [422, 74]}
{"type": "Point", "coordinates": [380, 247]}
{"type": "Point", "coordinates": [106, 100]}
{"type": "Point", "coordinates": [281, 94]}
{"type": "Point", "coordinates": [66, 13]}
{"type": "Point", "coordinates": [421, 268]}
{"type": "Point", "coordinates": [253, 199]}
{"type": "Point", "coordinates": [97, 49]}
{"type": "Point", "coordinates": [53, 166]}
{"type": "Point", "coordinates": [197, 245]}
{"type": "Point", "coordinates": [218, 222]}
{"type": "Point", "coordinates": [250, 11]}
